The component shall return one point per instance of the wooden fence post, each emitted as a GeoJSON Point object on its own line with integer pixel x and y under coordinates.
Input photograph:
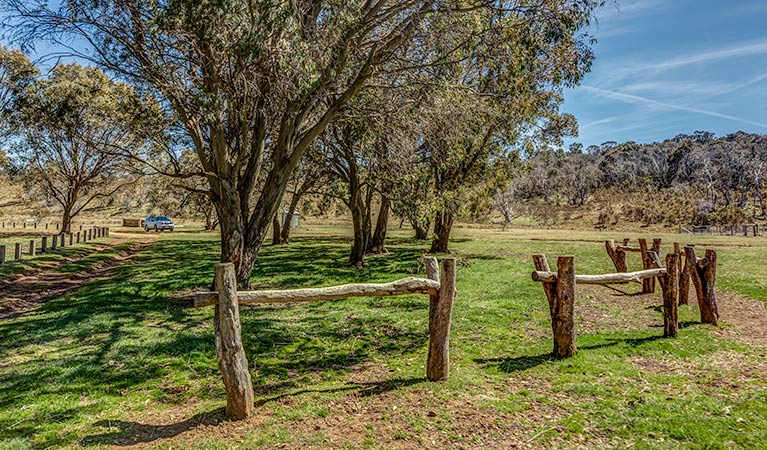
{"type": "Point", "coordinates": [617, 256]}
{"type": "Point", "coordinates": [229, 351]}
{"type": "Point", "coordinates": [78, 237]}
{"type": "Point", "coordinates": [2, 254]}
{"type": "Point", "coordinates": [44, 244]}
{"type": "Point", "coordinates": [648, 284]}
{"type": "Point", "coordinates": [107, 231]}
{"type": "Point", "coordinates": [542, 264]}
{"type": "Point", "coordinates": [440, 310]}
{"type": "Point", "coordinates": [31, 247]}
{"type": "Point", "coordinates": [703, 275]}
{"type": "Point", "coordinates": [63, 239]}
{"type": "Point", "coordinates": [71, 238]}
{"type": "Point", "coordinates": [17, 251]}
{"type": "Point", "coordinates": [564, 308]}
{"type": "Point", "coordinates": [670, 287]}
{"type": "Point", "coordinates": [54, 240]}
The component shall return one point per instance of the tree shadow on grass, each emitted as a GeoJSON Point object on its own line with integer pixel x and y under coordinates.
{"type": "Point", "coordinates": [521, 363]}
{"type": "Point", "coordinates": [132, 433]}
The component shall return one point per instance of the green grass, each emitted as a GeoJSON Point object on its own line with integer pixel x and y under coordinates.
{"type": "Point", "coordinates": [97, 367]}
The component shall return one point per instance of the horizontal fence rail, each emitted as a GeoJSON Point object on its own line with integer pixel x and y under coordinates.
{"type": "Point", "coordinates": [233, 363]}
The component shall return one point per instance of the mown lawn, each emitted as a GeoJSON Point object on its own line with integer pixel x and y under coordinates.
{"type": "Point", "coordinates": [126, 361]}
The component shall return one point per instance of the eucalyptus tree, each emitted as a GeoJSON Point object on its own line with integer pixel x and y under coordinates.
{"type": "Point", "coordinates": [70, 127]}
{"type": "Point", "coordinates": [16, 73]}
{"type": "Point", "coordinates": [255, 83]}
{"type": "Point", "coordinates": [503, 97]}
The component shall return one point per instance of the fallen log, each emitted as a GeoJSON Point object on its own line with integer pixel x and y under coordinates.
{"type": "Point", "coordinates": [404, 286]}
{"type": "Point", "coordinates": [609, 278]}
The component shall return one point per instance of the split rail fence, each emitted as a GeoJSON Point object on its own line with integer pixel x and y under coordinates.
{"type": "Point", "coordinates": [50, 243]}
{"type": "Point", "coordinates": [673, 276]}
{"type": "Point", "coordinates": [233, 364]}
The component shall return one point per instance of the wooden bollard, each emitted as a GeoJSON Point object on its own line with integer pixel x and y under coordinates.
{"type": "Point", "coordinates": [81, 228]}
{"type": "Point", "coordinates": [90, 236]}
{"type": "Point", "coordinates": [2, 254]}
{"type": "Point", "coordinates": [17, 251]}
{"type": "Point", "coordinates": [71, 238]}
{"type": "Point", "coordinates": [31, 247]}
{"type": "Point", "coordinates": [107, 231]}
{"type": "Point", "coordinates": [54, 240]}
{"type": "Point", "coordinates": [670, 287]}
{"type": "Point", "coordinates": [564, 308]}
{"type": "Point", "coordinates": [35, 225]}
{"type": "Point", "coordinates": [703, 276]}
{"type": "Point", "coordinates": [46, 225]}
{"type": "Point", "coordinates": [44, 244]}
{"type": "Point", "coordinates": [78, 237]}
{"type": "Point", "coordinates": [231, 356]}
{"type": "Point", "coordinates": [684, 276]}
{"type": "Point", "coordinates": [63, 239]}
{"type": "Point", "coordinates": [440, 311]}
{"type": "Point", "coordinates": [57, 226]}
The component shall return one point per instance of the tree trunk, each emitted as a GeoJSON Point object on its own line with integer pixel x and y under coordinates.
{"type": "Point", "coordinates": [276, 240]}
{"type": "Point", "coordinates": [421, 229]}
{"type": "Point", "coordinates": [360, 224]}
{"type": "Point", "coordinates": [377, 242]}
{"type": "Point", "coordinates": [288, 225]}
{"type": "Point", "coordinates": [66, 219]}
{"type": "Point", "coordinates": [443, 223]}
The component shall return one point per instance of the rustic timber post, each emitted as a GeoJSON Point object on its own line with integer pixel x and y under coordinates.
{"type": "Point", "coordinates": [564, 308]}
{"type": "Point", "coordinates": [648, 284]}
{"type": "Point", "coordinates": [44, 244]}
{"type": "Point", "coordinates": [90, 235]}
{"type": "Point", "coordinates": [71, 238]}
{"type": "Point", "coordinates": [31, 247]}
{"type": "Point", "coordinates": [617, 255]}
{"type": "Point", "coordinates": [17, 251]}
{"type": "Point", "coordinates": [2, 254]}
{"type": "Point", "coordinates": [107, 231]}
{"type": "Point", "coordinates": [440, 310]}
{"type": "Point", "coordinates": [229, 351]}
{"type": "Point", "coordinates": [684, 276]}
{"type": "Point", "coordinates": [54, 240]}
{"type": "Point", "coordinates": [670, 286]}
{"type": "Point", "coordinates": [703, 275]}
{"type": "Point", "coordinates": [542, 265]}
{"type": "Point", "coordinates": [77, 239]}
{"type": "Point", "coordinates": [62, 239]}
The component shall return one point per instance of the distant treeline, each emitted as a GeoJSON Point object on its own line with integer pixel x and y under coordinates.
{"type": "Point", "coordinates": [694, 179]}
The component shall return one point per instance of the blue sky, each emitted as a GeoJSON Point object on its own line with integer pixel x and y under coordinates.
{"type": "Point", "coordinates": [665, 67]}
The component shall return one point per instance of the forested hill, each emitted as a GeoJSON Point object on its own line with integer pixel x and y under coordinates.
{"type": "Point", "coordinates": [696, 179]}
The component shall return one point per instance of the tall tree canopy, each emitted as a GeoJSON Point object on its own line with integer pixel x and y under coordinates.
{"type": "Point", "coordinates": [71, 127]}
{"type": "Point", "coordinates": [254, 83]}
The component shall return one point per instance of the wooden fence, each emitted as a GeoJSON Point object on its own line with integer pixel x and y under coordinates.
{"type": "Point", "coordinates": [559, 288]}
{"type": "Point", "coordinates": [233, 364]}
{"type": "Point", "coordinates": [59, 240]}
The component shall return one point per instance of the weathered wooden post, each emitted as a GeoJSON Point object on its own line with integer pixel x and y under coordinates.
{"type": "Point", "coordinates": [703, 275]}
{"type": "Point", "coordinates": [229, 351]}
{"type": "Point", "coordinates": [617, 255]}
{"type": "Point", "coordinates": [648, 284]}
{"type": "Point", "coordinates": [54, 240]}
{"type": "Point", "coordinates": [77, 239]}
{"type": "Point", "coordinates": [564, 308]}
{"type": "Point", "coordinates": [2, 254]}
{"type": "Point", "coordinates": [17, 251]}
{"type": "Point", "coordinates": [90, 235]}
{"type": "Point", "coordinates": [440, 311]}
{"type": "Point", "coordinates": [670, 287]}
{"type": "Point", "coordinates": [44, 244]}
{"type": "Point", "coordinates": [550, 289]}
{"type": "Point", "coordinates": [57, 226]}
{"type": "Point", "coordinates": [35, 225]}
{"type": "Point", "coordinates": [31, 247]}
{"type": "Point", "coordinates": [63, 239]}
{"type": "Point", "coordinates": [81, 228]}
{"type": "Point", "coordinates": [684, 276]}
{"type": "Point", "coordinates": [46, 225]}
{"type": "Point", "coordinates": [71, 238]}
{"type": "Point", "coordinates": [107, 231]}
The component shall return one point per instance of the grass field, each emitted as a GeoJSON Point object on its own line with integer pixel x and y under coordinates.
{"type": "Point", "coordinates": [123, 360]}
